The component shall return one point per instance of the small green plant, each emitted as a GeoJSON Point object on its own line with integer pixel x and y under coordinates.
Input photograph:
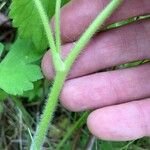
{"type": "Point", "coordinates": [63, 67]}
{"type": "Point", "coordinates": [18, 70]}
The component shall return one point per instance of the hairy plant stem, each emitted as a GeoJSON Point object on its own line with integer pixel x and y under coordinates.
{"type": "Point", "coordinates": [57, 26]}
{"type": "Point", "coordinates": [61, 74]}
{"type": "Point", "coordinates": [58, 63]}
{"type": "Point", "coordinates": [49, 109]}
{"type": "Point", "coordinates": [87, 35]}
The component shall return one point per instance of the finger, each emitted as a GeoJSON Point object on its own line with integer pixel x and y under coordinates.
{"type": "Point", "coordinates": [121, 122]}
{"type": "Point", "coordinates": [107, 88]}
{"type": "Point", "coordinates": [107, 49]}
{"type": "Point", "coordinates": [78, 14]}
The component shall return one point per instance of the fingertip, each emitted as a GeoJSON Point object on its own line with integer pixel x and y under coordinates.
{"type": "Point", "coordinates": [99, 126]}
{"type": "Point", "coordinates": [118, 123]}
{"type": "Point", "coordinates": [47, 67]}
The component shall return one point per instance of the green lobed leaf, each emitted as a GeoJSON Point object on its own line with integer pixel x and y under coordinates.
{"type": "Point", "coordinates": [17, 71]}
{"type": "Point", "coordinates": [26, 19]}
{"type": "Point", "coordinates": [36, 93]}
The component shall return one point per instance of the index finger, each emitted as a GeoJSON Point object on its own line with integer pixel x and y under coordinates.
{"type": "Point", "coordinates": [77, 15]}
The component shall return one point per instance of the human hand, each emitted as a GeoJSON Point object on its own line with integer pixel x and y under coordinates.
{"type": "Point", "coordinates": [121, 98]}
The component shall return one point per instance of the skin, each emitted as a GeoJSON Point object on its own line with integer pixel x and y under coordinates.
{"type": "Point", "coordinates": [120, 99]}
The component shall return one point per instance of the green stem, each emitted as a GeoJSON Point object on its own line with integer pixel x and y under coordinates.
{"type": "Point", "coordinates": [49, 109]}
{"type": "Point", "coordinates": [71, 130]}
{"type": "Point", "coordinates": [61, 75]}
{"type": "Point", "coordinates": [56, 58]}
{"type": "Point", "coordinates": [57, 25]}
{"type": "Point", "coordinates": [87, 35]}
